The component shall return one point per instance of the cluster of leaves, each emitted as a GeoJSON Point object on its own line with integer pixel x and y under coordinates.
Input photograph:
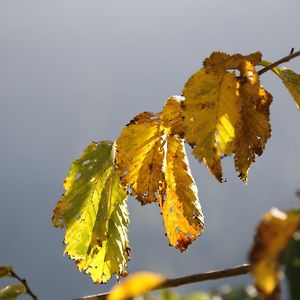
{"type": "Point", "coordinates": [224, 111]}
{"type": "Point", "coordinates": [11, 292]}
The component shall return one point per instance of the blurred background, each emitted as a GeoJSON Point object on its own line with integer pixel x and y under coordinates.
{"type": "Point", "coordinates": [74, 71]}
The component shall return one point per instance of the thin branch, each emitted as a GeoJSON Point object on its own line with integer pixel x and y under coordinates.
{"type": "Point", "coordinates": [24, 282]}
{"type": "Point", "coordinates": [278, 62]}
{"type": "Point", "coordinates": [235, 271]}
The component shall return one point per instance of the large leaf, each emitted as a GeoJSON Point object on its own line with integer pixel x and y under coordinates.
{"type": "Point", "coordinates": [273, 235]}
{"type": "Point", "coordinates": [211, 114]}
{"type": "Point", "coordinates": [5, 270]}
{"type": "Point", "coordinates": [153, 163]}
{"type": "Point", "coordinates": [255, 128]}
{"type": "Point", "coordinates": [290, 79]}
{"type": "Point", "coordinates": [11, 292]}
{"type": "Point", "coordinates": [94, 212]}
{"type": "Point", "coordinates": [135, 285]}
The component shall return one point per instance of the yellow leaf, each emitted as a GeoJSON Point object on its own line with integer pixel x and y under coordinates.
{"type": "Point", "coordinates": [153, 163]}
{"type": "Point", "coordinates": [179, 204]}
{"type": "Point", "coordinates": [292, 81]}
{"type": "Point", "coordinates": [219, 61]}
{"type": "Point", "coordinates": [134, 285]}
{"type": "Point", "coordinates": [211, 115]}
{"type": "Point", "coordinates": [273, 235]}
{"type": "Point", "coordinates": [140, 156]}
{"type": "Point", "coordinates": [94, 212]}
{"type": "Point", "coordinates": [255, 128]}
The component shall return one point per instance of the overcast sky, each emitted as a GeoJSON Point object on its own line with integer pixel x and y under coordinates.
{"type": "Point", "coordinates": [75, 71]}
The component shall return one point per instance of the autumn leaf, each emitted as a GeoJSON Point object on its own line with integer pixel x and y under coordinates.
{"type": "Point", "coordinates": [180, 205]}
{"type": "Point", "coordinates": [272, 237]}
{"type": "Point", "coordinates": [153, 163]}
{"type": "Point", "coordinates": [11, 292]}
{"type": "Point", "coordinates": [289, 78]}
{"type": "Point", "coordinates": [135, 285]}
{"type": "Point", "coordinates": [254, 128]}
{"type": "Point", "coordinates": [211, 115]}
{"type": "Point", "coordinates": [94, 212]}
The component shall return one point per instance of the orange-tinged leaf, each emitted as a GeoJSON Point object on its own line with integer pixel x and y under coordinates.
{"type": "Point", "coordinates": [211, 115]}
{"type": "Point", "coordinates": [140, 156]}
{"type": "Point", "coordinates": [255, 128]}
{"type": "Point", "coordinates": [135, 284]}
{"type": "Point", "coordinates": [153, 163]}
{"type": "Point", "coordinates": [273, 235]}
{"type": "Point", "coordinates": [180, 205]}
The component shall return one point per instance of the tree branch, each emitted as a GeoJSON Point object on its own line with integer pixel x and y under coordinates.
{"type": "Point", "coordinates": [235, 271]}
{"type": "Point", "coordinates": [24, 282]}
{"type": "Point", "coordinates": [278, 62]}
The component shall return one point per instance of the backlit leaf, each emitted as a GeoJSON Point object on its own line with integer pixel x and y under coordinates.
{"type": "Point", "coordinates": [135, 284]}
{"type": "Point", "coordinates": [290, 79]}
{"type": "Point", "coordinates": [94, 212]}
{"type": "Point", "coordinates": [153, 163]}
{"type": "Point", "coordinates": [272, 237]}
{"type": "Point", "coordinates": [180, 206]}
{"type": "Point", "coordinates": [255, 128]}
{"type": "Point", "coordinates": [5, 270]}
{"type": "Point", "coordinates": [11, 292]}
{"type": "Point", "coordinates": [211, 114]}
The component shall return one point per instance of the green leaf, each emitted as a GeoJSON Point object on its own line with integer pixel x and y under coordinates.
{"type": "Point", "coordinates": [292, 268]}
{"type": "Point", "coordinates": [5, 270]}
{"type": "Point", "coordinates": [289, 78]}
{"type": "Point", "coordinates": [94, 212]}
{"type": "Point", "coordinates": [11, 292]}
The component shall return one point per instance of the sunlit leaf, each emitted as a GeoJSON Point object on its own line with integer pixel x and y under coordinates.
{"type": "Point", "coordinates": [135, 284]}
{"type": "Point", "coordinates": [140, 156]}
{"type": "Point", "coordinates": [94, 212]}
{"type": "Point", "coordinates": [255, 128]}
{"type": "Point", "coordinates": [211, 114]}
{"type": "Point", "coordinates": [180, 206]}
{"type": "Point", "coordinates": [153, 163]}
{"type": "Point", "coordinates": [11, 292]}
{"type": "Point", "coordinates": [290, 79]}
{"type": "Point", "coordinates": [292, 267]}
{"type": "Point", "coordinates": [5, 270]}
{"type": "Point", "coordinates": [273, 235]}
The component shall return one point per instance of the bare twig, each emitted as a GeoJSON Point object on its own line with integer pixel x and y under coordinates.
{"type": "Point", "coordinates": [24, 282]}
{"type": "Point", "coordinates": [235, 271]}
{"type": "Point", "coordinates": [278, 62]}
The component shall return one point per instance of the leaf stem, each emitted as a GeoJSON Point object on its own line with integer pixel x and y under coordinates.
{"type": "Point", "coordinates": [217, 274]}
{"type": "Point", "coordinates": [24, 282]}
{"type": "Point", "coordinates": [278, 62]}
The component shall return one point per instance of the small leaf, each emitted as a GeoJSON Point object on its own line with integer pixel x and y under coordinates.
{"type": "Point", "coordinates": [180, 205]}
{"type": "Point", "coordinates": [136, 284]}
{"type": "Point", "coordinates": [273, 235]}
{"type": "Point", "coordinates": [290, 79]}
{"type": "Point", "coordinates": [292, 267]}
{"type": "Point", "coordinates": [94, 212]}
{"type": "Point", "coordinates": [5, 270]}
{"type": "Point", "coordinates": [11, 292]}
{"type": "Point", "coordinates": [140, 156]}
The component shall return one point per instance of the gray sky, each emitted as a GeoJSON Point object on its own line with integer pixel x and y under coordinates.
{"type": "Point", "coordinates": [75, 71]}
